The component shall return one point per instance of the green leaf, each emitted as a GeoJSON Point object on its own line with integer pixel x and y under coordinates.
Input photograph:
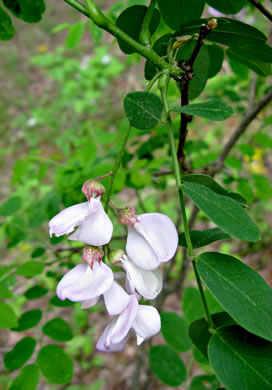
{"type": "Point", "coordinates": [240, 359]}
{"type": "Point", "coordinates": [177, 12]}
{"type": "Point", "coordinates": [225, 212]}
{"type": "Point", "coordinates": [37, 252]}
{"type": "Point", "coordinates": [199, 330]}
{"type": "Point", "coordinates": [28, 320]}
{"type": "Point", "coordinates": [204, 382]}
{"type": "Point", "coordinates": [7, 30]}
{"type": "Point", "coordinates": [19, 355]}
{"type": "Point", "coordinates": [55, 364]}
{"type": "Point", "coordinates": [216, 59]}
{"type": "Point", "coordinates": [130, 21]}
{"type": "Point", "coordinates": [75, 35]}
{"type": "Point", "coordinates": [30, 269]}
{"type": "Point", "coordinates": [167, 365]}
{"type": "Point", "coordinates": [209, 182]}
{"type": "Point", "coordinates": [241, 291]}
{"type": "Point", "coordinates": [10, 207]}
{"type": "Point", "coordinates": [213, 109]}
{"type": "Point", "coordinates": [27, 379]}
{"type": "Point", "coordinates": [229, 32]}
{"type": "Point", "coordinates": [160, 47]}
{"type": "Point", "coordinates": [261, 51]}
{"type": "Point", "coordinates": [7, 316]}
{"type": "Point", "coordinates": [143, 109]}
{"type": "Point", "coordinates": [35, 292]}
{"type": "Point", "coordinates": [29, 10]}
{"type": "Point", "coordinates": [201, 238]}
{"type": "Point", "coordinates": [261, 68]}
{"type": "Point", "coordinates": [200, 68]}
{"type": "Point", "coordinates": [58, 330]}
{"type": "Point", "coordinates": [55, 301]}
{"type": "Point", "coordinates": [175, 331]}
{"type": "Point", "coordinates": [228, 7]}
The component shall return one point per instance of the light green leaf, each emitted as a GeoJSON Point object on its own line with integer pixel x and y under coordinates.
{"type": "Point", "coordinates": [58, 329]}
{"type": "Point", "coordinates": [143, 109]}
{"type": "Point", "coordinates": [240, 359]}
{"type": "Point", "coordinates": [225, 212]}
{"type": "Point", "coordinates": [55, 364]}
{"type": "Point", "coordinates": [213, 109]}
{"type": "Point", "coordinates": [175, 331]}
{"type": "Point", "coordinates": [10, 207]}
{"type": "Point", "coordinates": [28, 320]}
{"type": "Point", "coordinates": [201, 238]}
{"type": "Point", "coordinates": [30, 269]}
{"type": "Point", "coordinates": [75, 35]}
{"type": "Point", "coordinates": [7, 316]}
{"type": "Point", "coordinates": [19, 355]}
{"type": "Point", "coordinates": [167, 365]}
{"type": "Point", "coordinates": [241, 291]}
{"type": "Point", "coordinates": [27, 379]}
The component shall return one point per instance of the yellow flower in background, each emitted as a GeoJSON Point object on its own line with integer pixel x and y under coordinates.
{"type": "Point", "coordinates": [256, 162]}
{"type": "Point", "coordinates": [42, 48]}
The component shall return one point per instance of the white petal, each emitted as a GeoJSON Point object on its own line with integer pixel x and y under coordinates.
{"type": "Point", "coordinates": [89, 303]}
{"type": "Point", "coordinates": [140, 251]}
{"type": "Point", "coordinates": [96, 229]}
{"type": "Point", "coordinates": [101, 346]}
{"type": "Point", "coordinates": [116, 299]}
{"type": "Point", "coordinates": [147, 323]}
{"type": "Point", "coordinates": [83, 283]}
{"type": "Point", "coordinates": [65, 221]}
{"type": "Point", "coordinates": [161, 234]}
{"type": "Point", "coordinates": [147, 283]}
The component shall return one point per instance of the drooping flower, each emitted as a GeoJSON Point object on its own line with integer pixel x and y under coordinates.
{"type": "Point", "coordinates": [152, 238]}
{"type": "Point", "coordinates": [143, 319]}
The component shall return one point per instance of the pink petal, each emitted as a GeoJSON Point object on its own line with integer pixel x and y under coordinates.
{"type": "Point", "coordinates": [96, 229]}
{"type": "Point", "coordinates": [89, 303]}
{"type": "Point", "coordinates": [116, 299]}
{"type": "Point", "coordinates": [147, 323]}
{"type": "Point", "coordinates": [68, 219]}
{"type": "Point", "coordinates": [83, 283]}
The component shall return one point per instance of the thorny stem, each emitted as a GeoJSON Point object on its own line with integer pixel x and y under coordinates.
{"type": "Point", "coordinates": [145, 36]}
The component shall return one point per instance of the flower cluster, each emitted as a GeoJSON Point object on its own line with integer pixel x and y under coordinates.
{"type": "Point", "coordinates": [152, 238]}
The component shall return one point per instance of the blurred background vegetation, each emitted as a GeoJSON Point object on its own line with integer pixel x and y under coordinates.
{"type": "Point", "coordinates": [61, 119]}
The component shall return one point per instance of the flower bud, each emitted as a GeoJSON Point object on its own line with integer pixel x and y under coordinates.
{"type": "Point", "coordinates": [92, 189]}
{"type": "Point", "coordinates": [116, 256]}
{"type": "Point", "coordinates": [127, 216]}
{"type": "Point", "coordinates": [91, 254]}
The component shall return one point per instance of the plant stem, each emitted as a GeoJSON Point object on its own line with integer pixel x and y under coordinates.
{"type": "Point", "coordinates": [78, 6]}
{"type": "Point", "coordinates": [116, 166]}
{"type": "Point", "coordinates": [145, 36]}
{"type": "Point", "coordinates": [152, 82]}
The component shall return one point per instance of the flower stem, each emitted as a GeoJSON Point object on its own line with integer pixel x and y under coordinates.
{"type": "Point", "coordinates": [163, 85]}
{"type": "Point", "coordinates": [145, 36]}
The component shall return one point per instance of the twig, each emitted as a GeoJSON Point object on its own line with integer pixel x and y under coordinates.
{"type": "Point", "coordinates": [262, 9]}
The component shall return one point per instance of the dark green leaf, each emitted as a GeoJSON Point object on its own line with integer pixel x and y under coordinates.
{"type": "Point", "coordinates": [201, 238]}
{"type": "Point", "coordinates": [10, 207]}
{"type": "Point", "coordinates": [240, 359]}
{"type": "Point", "coordinates": [261, 68]}
{"type": "Point", "coordinates": [225, 212]}
{"type": "Point", "coordinates": [177, 12]}
{"type": "Point", "coordinates": [37, 252]}
{"type": "Point", "coordinates": [160, 47]}
{"type": "Point", "coordinates": [241, 291]}
{"type": "Point", "coordinates": [199, 330]}
{"type": "Point", "coordinates": [175, 331]}
{"type": "Point", "coordinates": [261, 51]}
{"type": "Point", "coordinates": [75, 35]}
{"type": "Point", "coordinates": [55, 301]}
{"type": "Point", "coordinates": [28, 320]}
{"type": "Point", "coordinates": [27, 379]}
{"type": "Point", "coordinates": [167, 365]}
{"type": "Point", "coordinates": [213, 109]}
{"type": "Point", "coordinates": [55, 364]}
{"type": "Point", "coordinates": [58, 330]}
{"type": "Point", "coordinates": [15, 230]}
{"type": "Point", "coordinates": [7, 30]}
{"type": "Point", "coordinates": [216, 59]}
{"type": "Point", "coordinates": [35, 292]}
{"type": "Point", "coordinates": [7, 316]}
{"type": "Point", "coordinates": [29, 10]}
{"type": "Point", "coordinates": [228, 7]}
{"type": "Point", "coordinates": [204, 382]}
{"type": "Point", "coordinates": [143, 109]}
{"type": "Point", "coordinates": [200, 68]}
{"type": "Point", "coordinates": [130, 21]}
{"type": "Point", "coordinates": [19, 355]}
{"type": "Point", "coordinates": [209, 182]}
{"type": "Point", "coordinates": [30, 269]}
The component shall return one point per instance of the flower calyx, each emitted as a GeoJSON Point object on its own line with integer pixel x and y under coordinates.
{"type": "Point", "coordinates": [92, 189]}
{"type": "Point", "coordinates": [116, 256]}
{"type": "Point", "coordinates": [92, 254]}
{"type": "Point", "coordinates": [127, 216]}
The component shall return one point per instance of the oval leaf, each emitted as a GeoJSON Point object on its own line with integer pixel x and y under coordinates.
{"type": "Point", "coordinates": [27, 379]}
{"type": "Point", "coordinates": [201, 238]}
{"type": "Point", "coordinates": [261, 68]}
{"type": "Point", "coordinates": [7, 30]}
{"type": "Point", "coordinates": [225, 212]}
{"type": "Point", "coordinates": [167, 365]}
{"type": "Point", "coordinates": [241, 291]}
{"type": "Point", "coordinates": [175, 331]}
{"type": "Point", "coordinates": [29, 10]}
{"type": "Point", "coordinates": [28, 320]}
{"type": "Point", "coordinates": [143, 109]}
{"type": "Point", "coordinates": [216, 59]}
{"type": "Point", "coordinates": [30, 269]}
{"type": "Point", "coordinates": [58, 330]}
{"type": "Point", "coordinates": [7, 316]}
{"type": "Point", "coordinates": [240, 359]}
{"type": "Point", "coordinates": [205, 382]}
{"type": "Point", "coordinates": [20, 354]}
{"type": "Point", "coordinates": [55, 364]}
{"type": "Point", "coordinates": [214, 110]}
{"type": "Point", "coordinates": [35, 292]}
{"type": "Point", "coordinates": [10, 207]}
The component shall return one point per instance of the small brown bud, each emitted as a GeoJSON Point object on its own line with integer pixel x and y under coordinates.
{"type": "Point", "coordinates": [212, 23]}
{"type": "Point", "coordinates": [127, 216]}
{"type": "Point", "coordinates": [91, 254]}
{"type": "Point", "coordinates": [93, 189]}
